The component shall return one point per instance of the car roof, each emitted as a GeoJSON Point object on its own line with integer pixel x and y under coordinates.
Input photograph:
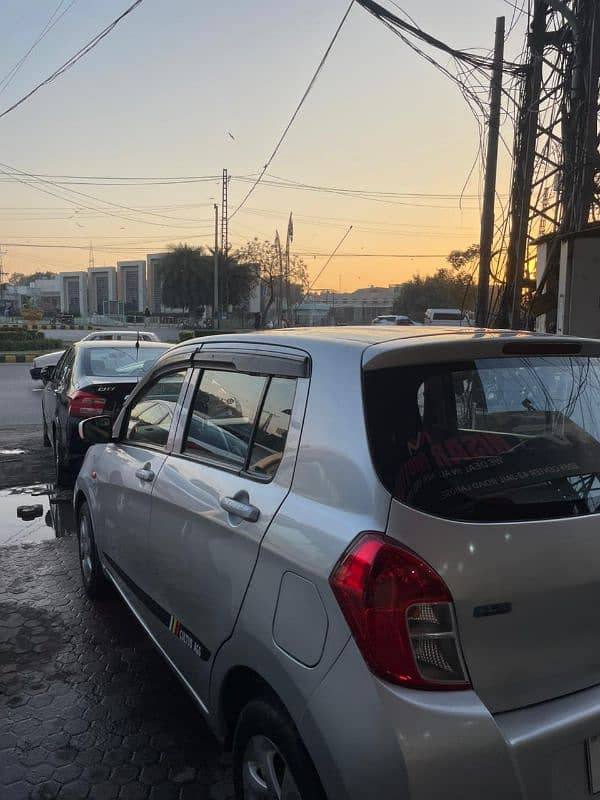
{"type": "Point", "coordinates": [130, 332]}
{"type": "Point", "coordinates": [121, 343]}
{"type": "Point", "coordinates": [359, 336]}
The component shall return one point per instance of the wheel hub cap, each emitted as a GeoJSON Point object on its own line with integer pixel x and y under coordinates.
{"type": "Point", "coordinates": [266, 775]}
{"type": "Point", "coordinates": [85, 549]}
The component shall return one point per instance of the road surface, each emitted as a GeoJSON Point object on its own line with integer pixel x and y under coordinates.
{"type": "Point", "coordinates": [20, 397]}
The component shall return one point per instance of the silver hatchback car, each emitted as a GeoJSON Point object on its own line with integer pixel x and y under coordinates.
{"type": "Point", "coordinates": [371, 555]}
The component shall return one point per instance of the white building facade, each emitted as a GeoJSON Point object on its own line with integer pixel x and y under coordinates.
{"type": "Point", "coordinates": [131, 286]}
{"type": "Point", "coordinates": [154, 284]}
{"type": "Point", "coordinates": [73, 288]}
{"type": "Point", "coordinates": [102, 289]}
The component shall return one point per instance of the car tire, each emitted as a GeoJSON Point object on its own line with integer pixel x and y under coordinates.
{"type": "Point", "coordinates": [92, 575]}
{"type": "Point", "coordinates": [62, 472]}
{"type": "Point", "coordinates": [270, 762]}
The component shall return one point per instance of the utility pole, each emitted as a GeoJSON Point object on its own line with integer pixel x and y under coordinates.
{"type": "Point", "coordinates": [279, 306]}
{"type": "Point", "coordinates": [225, 215]}
{"type": "Point", "coordinates": [216, 270]}
{"type": "Point", "coordinates": [489, 195]}
{"type": "Point", "coordinates": [288, 242]}
{"type": "Point", "coordinates": [2, 274]}
{"type": "Point", "coordinates": [510, 313]}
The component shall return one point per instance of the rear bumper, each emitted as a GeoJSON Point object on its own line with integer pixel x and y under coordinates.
{"type": "Point", "coordinates": [371, 739]}
{"type": "Point", "coordinates": [548, 745]}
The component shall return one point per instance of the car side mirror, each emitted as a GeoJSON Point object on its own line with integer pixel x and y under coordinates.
{"type": "Point", "coordinates": [96, 430]}
{"type": "Point", "coordinates": [47, 373]}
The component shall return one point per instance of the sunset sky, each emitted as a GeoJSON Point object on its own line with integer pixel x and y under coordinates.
{"type": "Point", "coordinates": [161, 95]}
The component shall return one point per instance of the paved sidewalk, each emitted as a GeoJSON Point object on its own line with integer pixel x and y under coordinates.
{"type": "Point", "coordinates": [88, 709]}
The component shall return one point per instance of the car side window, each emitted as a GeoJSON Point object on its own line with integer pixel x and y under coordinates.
{"type": "Point", "coordinates": [63, 367]}
{"type": "Point", "coordinates": [271, 432]}
{"type": "Point", "coordinates": [223, 416]}
{"type": "Point", "coordinates": [151, 416]}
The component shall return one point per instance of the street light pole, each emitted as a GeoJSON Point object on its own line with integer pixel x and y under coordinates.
{"type": "Point", "coordinates": [216, 270]}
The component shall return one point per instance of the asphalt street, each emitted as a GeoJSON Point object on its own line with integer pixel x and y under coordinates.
{"type": "Point", "coordinates": [20, 397]}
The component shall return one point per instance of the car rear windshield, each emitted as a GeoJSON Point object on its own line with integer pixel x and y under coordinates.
{"type": "Point", "coordinates": [449, 315]}
{"type": "Point", "coordinates": [513, 438]}
{"type": "Point", "coordinates": [115, 361]}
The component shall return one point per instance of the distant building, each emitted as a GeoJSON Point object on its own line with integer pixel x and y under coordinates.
{"type": "Point", "coordinates": [102, 288]}
{"type": "Point", "coordinates": [153, 282]}
{"type": "Point", "coordinates": [73, 293]}
{"type": "Point", "coordinates": [131, 285]}
{"type": "Point", "coordinates": [359, 307]}
{"type": "Point", "coordinates": [46, 294]}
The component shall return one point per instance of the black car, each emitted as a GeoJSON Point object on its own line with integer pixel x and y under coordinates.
{"type": "Point", "coordinates": [91, 378]}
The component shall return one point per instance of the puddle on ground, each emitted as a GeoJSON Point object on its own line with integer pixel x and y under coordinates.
{"type": "Point", "coordinates": [33, 514]}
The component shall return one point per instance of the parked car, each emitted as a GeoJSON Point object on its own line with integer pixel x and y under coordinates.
{"type": "Point", "coordinates": [447, 317]}
{"type": "Point", "coordinates": [393, 319]}
{"type": "Point", "coordinates": [52, 359]}
{"type": "Point", "coordinates": [91, 378]}
{"type": "Point", "coordinates": [390, 597]}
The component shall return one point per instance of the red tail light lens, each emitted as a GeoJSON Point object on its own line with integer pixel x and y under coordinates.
{"type": "Point", "coordinates": [83, 404]}
{"type": "Point", "coordinates": [400, 613]}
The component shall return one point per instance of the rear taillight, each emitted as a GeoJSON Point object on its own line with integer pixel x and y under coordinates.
{"type": "Point", "coordinates": [84, 404]}
{"type": "Point", "coordinates": [400, 613]}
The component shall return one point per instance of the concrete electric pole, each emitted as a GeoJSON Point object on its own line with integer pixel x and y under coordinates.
{"type": "Point", "coordinates": [216, 270]}
{"type": "Point", "coordinates": [489, 195]}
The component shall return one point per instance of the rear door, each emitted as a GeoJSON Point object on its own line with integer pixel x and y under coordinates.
{"type": "Point", "coordinates": [55, 401]}
{"type": "Point", "coordinates": [495, 467]}
{"type": "Point", "coordinates": [214, 499]}
{"type": "Point", "coordinates": [126, 474]}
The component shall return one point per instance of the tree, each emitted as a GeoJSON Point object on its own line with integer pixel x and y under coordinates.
{"type": "Point", "coordinates": [20, 279]}
{"type": "Point", "coordinates": [446, 288]}
{"type": "Point", "coordinates": [264, 258]}
{"type": "Point", "coordinates": [185, 273]}
{"type": "Point", "coordinates": [236, 281]}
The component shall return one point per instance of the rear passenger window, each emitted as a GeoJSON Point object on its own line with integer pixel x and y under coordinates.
{"type": "Point", "coordinates": [151, 416]}
{"type": "Point", "coordinates": [223, 416]}
{"type": "Point", "coordinates": [272, 429]}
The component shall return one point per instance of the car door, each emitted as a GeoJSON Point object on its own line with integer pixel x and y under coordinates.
{"type": "Point", "coordinates": [55, 395]}
{"type": "Point", "coordinates": [229, 472]}
{"type": "Point", "coordinates": [126, 472]}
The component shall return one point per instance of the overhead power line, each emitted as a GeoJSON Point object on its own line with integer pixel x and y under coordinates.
{"type": "Point", "coordinates": [474, 60]}
{"type": "Point", "coordinates": [54, 19]}
{"type": "Point", "coordinates": [74, 59]}
{"type": "Point", "coordinates": [295, 114]}
{"type": "Point", "coordinates": [326, 264]}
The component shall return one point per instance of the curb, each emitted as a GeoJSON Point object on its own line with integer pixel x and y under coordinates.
{"type": "Point", "coordinates": [18, 358]}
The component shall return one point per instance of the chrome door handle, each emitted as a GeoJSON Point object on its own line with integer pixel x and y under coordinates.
{"type": "Point", "coordinates": [237, 508]}
{"type": "Point", "coordinates": [145, 474]}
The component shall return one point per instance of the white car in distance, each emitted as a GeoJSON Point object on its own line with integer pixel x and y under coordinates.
{"type": "Point", "coordinates": [52, 359]}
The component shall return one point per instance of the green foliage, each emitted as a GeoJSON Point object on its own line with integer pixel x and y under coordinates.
{"type": "Point", "coordinates": [20, 279]}
{"type": "Point", "coordinates": [188, 279]}
{"type": "Point", "coordinates": [446, 288]}
{"type": "Point", "coordinates": [30, 345]}
{"type": "Point", "coordinates": [20, 334]}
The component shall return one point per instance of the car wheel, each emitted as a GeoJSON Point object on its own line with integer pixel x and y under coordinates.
{"type": "Point", "coordinates": [92, 576]}
{"type": "Point", "coordinates": [270, 761]}
{"type": "Point", "coordinates": [61, 470]}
